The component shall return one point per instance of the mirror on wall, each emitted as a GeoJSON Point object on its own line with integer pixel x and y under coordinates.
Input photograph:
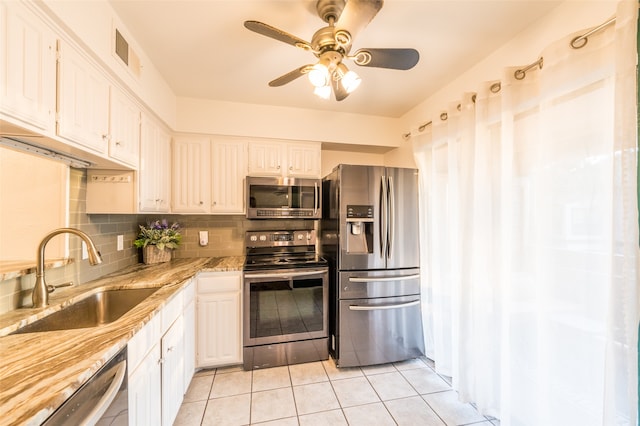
{"type": "Point", "coordinates": [33, 201]}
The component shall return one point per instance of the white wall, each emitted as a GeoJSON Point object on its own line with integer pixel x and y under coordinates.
{"type": "Point", "coordinates": [229, 118]}
{"type": "Point", "coordinates": [331, 158]}
{"type": "Point", "coordinates": [569, 17]}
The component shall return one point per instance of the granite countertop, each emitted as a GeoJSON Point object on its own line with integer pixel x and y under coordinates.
{"type": "Point", "coordinates": [39, 371]}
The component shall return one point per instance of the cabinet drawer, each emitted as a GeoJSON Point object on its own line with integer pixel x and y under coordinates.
{"type": "Point", "coordinates": [171, 312]}
{"type": "Point", "coordinates": [217, 282]}
{"type": "Point", "coordinates": [143, 341]}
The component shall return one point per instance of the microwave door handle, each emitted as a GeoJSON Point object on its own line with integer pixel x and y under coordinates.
{"type": "Point", "coordinates": [315, 198]}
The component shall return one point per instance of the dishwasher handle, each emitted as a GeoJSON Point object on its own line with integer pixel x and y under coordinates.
{"type": "Point", "coordinates": [383, 307]}
{"type": "Point", "coordinates": [108, 397]}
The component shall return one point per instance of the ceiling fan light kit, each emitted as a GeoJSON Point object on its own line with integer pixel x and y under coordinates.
{"type": "Point", "coordinates": [332, 44]}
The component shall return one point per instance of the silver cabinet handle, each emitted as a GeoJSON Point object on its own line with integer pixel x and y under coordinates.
{"type": "Point", "coordinates": [108, 397]}
{"type": "Point", "coordinates": [382, 307]}
{"type": "Point", "coordinates": [382, 279]}
{"type": "Point", "coordinates": [284, 275]}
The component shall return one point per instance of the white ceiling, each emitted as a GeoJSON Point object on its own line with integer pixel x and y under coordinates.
{"type": "Point", "coordinates": [203, 50]}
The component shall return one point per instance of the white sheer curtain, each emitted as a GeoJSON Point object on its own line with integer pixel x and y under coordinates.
{"type": "Point", "coordinates": [530, 237]}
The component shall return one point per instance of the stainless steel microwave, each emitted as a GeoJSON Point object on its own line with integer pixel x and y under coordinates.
{"type": "Point", "coordinates": [283, 198]}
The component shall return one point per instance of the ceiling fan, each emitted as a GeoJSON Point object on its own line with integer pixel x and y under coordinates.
{"type": "Point", "coordinates": [332, 44]}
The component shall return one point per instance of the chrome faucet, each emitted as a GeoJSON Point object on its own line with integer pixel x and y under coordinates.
{"type": "Point", "coordinates": [40, 295]}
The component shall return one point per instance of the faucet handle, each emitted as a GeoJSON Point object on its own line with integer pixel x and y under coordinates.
{"type": "Point", "coordinates": [52, 288]}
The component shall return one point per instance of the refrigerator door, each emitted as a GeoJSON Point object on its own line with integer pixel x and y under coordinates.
{"type": "Point", "coordinates": [361, 246]}
{"type": "Point", "coordinates": [379, 330]}
{"type": "Point", "coordinates": [402, 244]}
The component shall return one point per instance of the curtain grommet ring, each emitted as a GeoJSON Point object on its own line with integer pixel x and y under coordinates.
{"type": "Point", "coordinates": [579, 42]}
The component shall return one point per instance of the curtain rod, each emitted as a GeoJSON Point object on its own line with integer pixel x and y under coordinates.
{"type": "Point", "coordinates": [576, 43]}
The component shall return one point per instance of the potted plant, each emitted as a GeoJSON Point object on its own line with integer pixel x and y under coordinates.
{"type": "Point", "coordinates": [157, 240]}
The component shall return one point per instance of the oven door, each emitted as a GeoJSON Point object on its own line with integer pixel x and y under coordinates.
{"type": "Point", "coordinates": [285, 305]}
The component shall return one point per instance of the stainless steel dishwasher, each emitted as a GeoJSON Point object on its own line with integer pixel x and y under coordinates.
{"type": "Point", "coordinates": [103, 398]}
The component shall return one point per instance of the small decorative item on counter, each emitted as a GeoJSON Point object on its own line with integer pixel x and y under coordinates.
{"type": "Point", "coordinates": [157, 240]}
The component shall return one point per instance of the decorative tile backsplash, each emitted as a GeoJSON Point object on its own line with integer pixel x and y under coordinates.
{"type": "Point", "coordinates": [226, 238]}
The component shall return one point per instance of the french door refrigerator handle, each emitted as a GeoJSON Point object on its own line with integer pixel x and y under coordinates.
{"type": "Point", "coordinates": [383, 217]}
{"type": "Point", "coordinates": [382, 279]}
{"type": "Point", "coordinates": [383, 307]}
{"type": "Point", "coordinates": [392, 216]}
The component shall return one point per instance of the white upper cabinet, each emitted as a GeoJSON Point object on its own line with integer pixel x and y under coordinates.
{"type": "Point", "coordinates": [265, 159]}
{"type": "Point", "coordinates": [191, 175]}
{"type": "Point", "coordinates": [295, 159]}
{"type": "Point", "coordinates": [208, 175]}
{"type": "Point", "coordinates": [303, 159]}
{"type": "Point", "coordinates": [83, 99]}
{"type": "Point", "coordinates": [228, 171]}
{"type": "Point", "coordinates": [155, 167]}
{"type": "Point", "coordinates": [94, 113]}
{"type": "Point", "coordinates": [124, 143]}
{"type": "Point", "coordinates": [27, 67]}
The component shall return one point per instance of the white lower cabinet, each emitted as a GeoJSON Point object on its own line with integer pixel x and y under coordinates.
{"type": "Point", "coordinates": [145, 399]}
{"type": "Point", "coordinates": [172, 346]}
{"type": "Point", "coordinates": [219, 324]}
{"type": "Point", "coordinates": [189, 316]}
{"type": "Point", "coordinates": [158, 376]}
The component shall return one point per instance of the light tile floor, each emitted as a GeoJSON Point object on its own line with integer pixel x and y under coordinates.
{"type": "Point", "coordinates": [318, 393]}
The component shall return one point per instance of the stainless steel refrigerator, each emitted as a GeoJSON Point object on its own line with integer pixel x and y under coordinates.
{"type": "Point", "coordinates": [369, 235]}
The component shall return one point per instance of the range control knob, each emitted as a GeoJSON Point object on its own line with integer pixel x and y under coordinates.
{"type": "Point", "coordinates": [263, 238]}
{"type": "Point", "coordinates": [253, 238]}
{"type": "Point", "coordinates": [300, 236]}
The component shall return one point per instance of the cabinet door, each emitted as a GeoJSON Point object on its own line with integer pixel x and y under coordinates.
{"type": "Point", "coordinates": [219, 334]}
{"type": "Point", "coordinates": [189, 344]}
{"type": "Point", "coordinates": [155, 167]}
{"type": "Point", "coordinates": [228, 169]}
{"type": "Point", "coordinates": [303, 160]}
{"type": "Point", "coordinates": [172, 345]}
{"type": "Point", "coordinates": [265, 159]}
{"type": "Point", "coordinates": [124, 143]}
{"type": "Point", "coordinates": [144, 389]}
{"type": "Point", "coordinates": [27, 67]}
{"type": "Point", "coordinates": [189, 314]}
{"type": "Point", "coordinates": [190, 177]}
{"type": "Point", "coordinates": [83, 96]}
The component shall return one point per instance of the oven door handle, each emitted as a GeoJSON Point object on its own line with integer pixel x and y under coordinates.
{"type": "Point", "coordinates": [382, 279]}
{"type": "Point", "coordinates": [383, 307]}
{"type": "Point", "coordinates": [283, 275]}
{"type": "Point", "coordinates": [108, 397]}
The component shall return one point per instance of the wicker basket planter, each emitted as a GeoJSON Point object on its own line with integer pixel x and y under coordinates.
{"type": "Point", "coordinates": [152, 254]}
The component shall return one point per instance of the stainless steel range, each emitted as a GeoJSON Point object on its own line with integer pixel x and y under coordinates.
{"type": "Point", "coordinates": [285, 299]}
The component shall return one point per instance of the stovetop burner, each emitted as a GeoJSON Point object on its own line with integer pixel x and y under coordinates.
{"type": "Point", "coordinates": [281, 249]}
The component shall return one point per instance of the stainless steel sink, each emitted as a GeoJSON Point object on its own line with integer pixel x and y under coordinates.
{"type": "Point", "coordinates": [97, 309]}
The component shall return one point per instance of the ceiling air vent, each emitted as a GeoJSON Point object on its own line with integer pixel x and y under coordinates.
{"type": "Point", "coordinates": [126, 54]}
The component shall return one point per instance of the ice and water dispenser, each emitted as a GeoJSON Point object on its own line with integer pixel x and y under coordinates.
{"type": "Point", "coordinates": [359, 229]}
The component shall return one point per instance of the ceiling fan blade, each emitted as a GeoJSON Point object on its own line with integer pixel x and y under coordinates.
{"type": "Point", "coordinates": [357, 14]}
{"type": "Point", "coordinates": [290, 76]}
{"type": "Point", "coordinates": [338, 89]}
{"type": "Point", "coordinates": [275, 33]}
{"type": "Point", "coordinates": [397, 59]}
